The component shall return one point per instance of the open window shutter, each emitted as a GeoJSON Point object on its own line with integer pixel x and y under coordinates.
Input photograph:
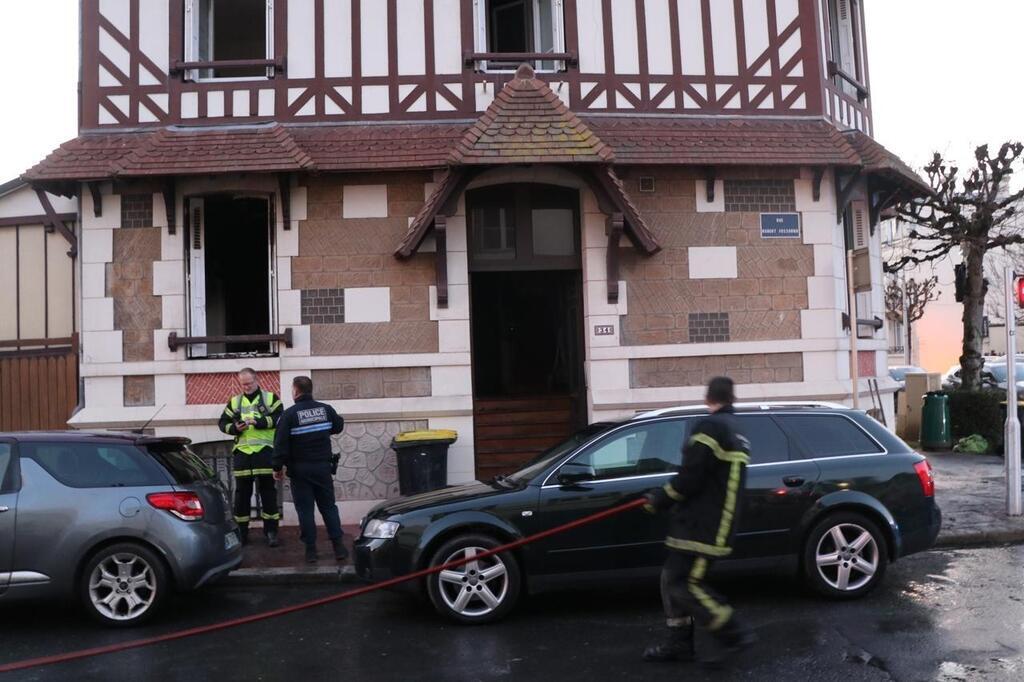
{"type": "Point", "coordinates": [270, 36]}
{"type": "Point", "coordinates": [192, 51]}
{"type": "Point", "coordinates": [860, 225]}
{"type": "Point", "coordinates": [558, 25]}
{"type": "Point", "coordinates": [197, 273]}
{"type": "Point", "coordinates": [846, 59]}
{"type": "Point", "coordinates": [480, 29]}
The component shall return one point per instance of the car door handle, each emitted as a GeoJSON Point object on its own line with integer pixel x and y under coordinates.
{"type": "Point", "coordinates": [793, 481]}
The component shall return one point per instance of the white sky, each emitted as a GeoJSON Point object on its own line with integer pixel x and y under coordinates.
{"type": "Point", "coordinates": [928, 95]}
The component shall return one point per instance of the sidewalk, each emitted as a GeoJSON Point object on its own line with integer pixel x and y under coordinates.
{"type": "Point", "coordinates": [969, 489]}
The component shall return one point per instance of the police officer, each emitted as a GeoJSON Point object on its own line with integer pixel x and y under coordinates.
{"type": "Point", "coordinates": [302, 449]}
{"type": "Point", "coordinates": [251, 417]}
{"type": "Point", "coordinates": [703, 504]}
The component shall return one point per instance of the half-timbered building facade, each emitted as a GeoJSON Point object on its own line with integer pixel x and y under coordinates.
{"type": "Point", "coordinates": [506, 217]}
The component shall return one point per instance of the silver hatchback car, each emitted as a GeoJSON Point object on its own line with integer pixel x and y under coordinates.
{"type": "Point", "coordinates": [117, 521]}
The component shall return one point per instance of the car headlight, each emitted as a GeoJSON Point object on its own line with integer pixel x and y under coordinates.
{"type": "Point", "coordinates": [380, 530]}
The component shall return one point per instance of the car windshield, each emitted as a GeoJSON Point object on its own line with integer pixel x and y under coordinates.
{"type": "Point", "coordinates": [539, 463]}
{"type": "Point", "coordinates": [900, 373]}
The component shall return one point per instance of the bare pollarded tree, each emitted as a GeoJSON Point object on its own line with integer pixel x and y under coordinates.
{"type": "Point", "coordinates": [919, 294]}
{"type": "Point", "coordinates": [976, 213]}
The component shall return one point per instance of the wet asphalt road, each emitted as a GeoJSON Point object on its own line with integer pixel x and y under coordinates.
{"type": "Point", "coordinates": [944, 615]}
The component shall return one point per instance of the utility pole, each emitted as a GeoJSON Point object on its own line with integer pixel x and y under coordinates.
{"type": "Point", "coordinates": [1011, 452]}
{"type": "Point", "coordinates": [852, 302]}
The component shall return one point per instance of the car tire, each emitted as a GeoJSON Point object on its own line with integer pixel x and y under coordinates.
{"type": "Point", "coordinates": [845, 556]}
{"type": "Point", "coordinates": [478, 592]}
{"type": "Point", "coordinates": [123, 585]}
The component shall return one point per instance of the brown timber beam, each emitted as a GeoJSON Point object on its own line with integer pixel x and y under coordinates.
{"type": "Point", "coordinates": [709, 183]}
{"type": "Point", "coordinates": [845, 194]}
{"type": "Point", "coordinates": [441, 259]}
{"type": "Point", "coordinates": [170, 204]}
{"type": "Point", "coordinates": [54, 222]}
{"type": "Point", "coordinates": [819, 175]}
{"type": "Point", "coordinates": [284, 184]}
{"type": "Point", "coordinates": [97, 199]}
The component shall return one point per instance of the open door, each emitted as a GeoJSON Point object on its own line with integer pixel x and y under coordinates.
{"type": "Point", "coordinates": [197, 275]}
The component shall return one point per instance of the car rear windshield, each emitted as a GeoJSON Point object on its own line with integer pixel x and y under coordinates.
{"type": "Point", "coordinates": [183, 465]}
{"type": "Point", "coordinates": [95, 465]}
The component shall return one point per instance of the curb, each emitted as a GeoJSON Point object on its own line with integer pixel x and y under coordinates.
{"type": "Point", "coordinates": [299, 575]}
{"type": "Point", "coordinates": [980, 539]}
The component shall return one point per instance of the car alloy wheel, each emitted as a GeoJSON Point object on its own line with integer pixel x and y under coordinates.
{"type": "Point", "coordinates": [483, 589]}
{"type": "Point", "coordinates": [847, 557]}
{"type": "Point", "coordinates": [123, 585]}
{"type": "Point", "coordinates": [475, 588]}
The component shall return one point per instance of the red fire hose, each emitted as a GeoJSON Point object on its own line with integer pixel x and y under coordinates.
{"type": "Point", "coordinates": [181, 634]}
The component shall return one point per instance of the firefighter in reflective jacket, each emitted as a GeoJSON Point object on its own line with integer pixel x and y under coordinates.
{"type": "Point", "coordinates": [251, 417]}
{"type": "Point", "coordinates": [702, 501]}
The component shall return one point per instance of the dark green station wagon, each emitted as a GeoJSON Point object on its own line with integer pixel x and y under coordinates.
{"type": "Point", "coordinates": [831, 496]}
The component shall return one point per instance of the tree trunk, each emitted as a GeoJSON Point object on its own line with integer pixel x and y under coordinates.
{"type": "Point", "coordinates": [910, 342]}
{"type": "Point", "coordinates": [974, 312]}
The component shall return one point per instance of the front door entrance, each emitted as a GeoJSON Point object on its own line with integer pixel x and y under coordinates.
{"type": "Point", "coordinates": [527, 310]}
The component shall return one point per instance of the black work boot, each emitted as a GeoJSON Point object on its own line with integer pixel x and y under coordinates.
{"type": "Point", "coordinates": [310, 554]}
{"type": "Point", "coordinates": [732, 638]}
{"type": "Point", "coordinates": [678, 646]}
{"type": "Point", "coordinates": [272, 539]}
{"type": "Point", "coordinates": [340, 552]}
{"type": "Point", "coordinates": [243, 533]}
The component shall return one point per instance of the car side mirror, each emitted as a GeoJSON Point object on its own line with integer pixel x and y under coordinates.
{"type": "Point", "coordinates": [575, 472]}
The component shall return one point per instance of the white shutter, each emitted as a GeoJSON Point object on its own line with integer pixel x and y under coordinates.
{"type": "Point", "coordinates": [270, 36]}
{"type": "Point", "coordinates": [480, 26]}
{"type": "Point", "coordinates": [197, 273]}
{"type": "Point", "coordinates": [861, 230]}
{"type": "Point", "coordinates": [846, 59]}
{"type": "Point", "coordinates": [192, 37]}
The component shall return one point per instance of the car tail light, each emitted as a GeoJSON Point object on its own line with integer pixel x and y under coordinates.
{"type": "Point", "coordinates": [186, 506]}
{"type": "Point", "coordinates": [927, 478]}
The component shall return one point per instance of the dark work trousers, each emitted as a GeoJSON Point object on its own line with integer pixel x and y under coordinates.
{"type": "Point", "coordinates": [313, 483]}
{"type": "Point", "coordinates": [685, 594]}
{"type": "Point", "coordinates": [254, 471]}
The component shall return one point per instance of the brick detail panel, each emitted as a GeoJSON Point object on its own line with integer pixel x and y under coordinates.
{"type": "Point", "coordinates": [136, 210]}
{"type": "Point", "coordinates": [709, 327]}
{"type": "Point", "coordinates": [139, 391]}
{"type": "Point", "coordinates": [323, 306]}
{"type": "Point", "coordinates": [757, 368]}
{"type": "Point", "coordinates": [352, 384]}
{"type": "Point", "coordinates": [217, 389]}
{"type": "Point", "coordinates": [372, 338]}
{"type": "Point", "coordinates": [137, 312]}
{"type": "Point", "coordinates": [760, 196]}
{"type": "Point", "coordinates": [866, 366]}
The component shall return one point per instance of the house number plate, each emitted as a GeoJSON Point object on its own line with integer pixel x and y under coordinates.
{"type": "Point", "coordinates": [604, 330]}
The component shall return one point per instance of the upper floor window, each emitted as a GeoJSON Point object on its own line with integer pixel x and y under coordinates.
{"type": "Point", "coordinates": [220, 31]}
{"type": "Point", "coordinates": [846, 42]}
{"type": "Point", "coordinates": [519, 27]}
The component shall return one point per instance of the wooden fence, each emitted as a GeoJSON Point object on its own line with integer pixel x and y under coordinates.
{"type": "Point", "coordinates": [38, 383]}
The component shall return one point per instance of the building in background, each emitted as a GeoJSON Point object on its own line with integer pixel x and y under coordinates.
{"type": "Point", "coordinates": [505, 218]}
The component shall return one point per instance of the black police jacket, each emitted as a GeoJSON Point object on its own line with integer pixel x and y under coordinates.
{"type": "Point", "coordinates": [304, 433]}
{"type": "Point", "coordinates": [703, 498]}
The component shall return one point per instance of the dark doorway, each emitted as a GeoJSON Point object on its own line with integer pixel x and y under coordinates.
{"type": "Point", "coordinates": [526, 322]}
{"type": "Point", "coordinates": [525, 333]}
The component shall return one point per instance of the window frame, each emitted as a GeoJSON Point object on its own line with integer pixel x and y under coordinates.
{"type": "Point", "coordinates": [835, 36]}
{"type": "Point", "coordinates": [192, 35]}
{"type": "Point", "coordinates": [481, 37]}
{"type": "Point", "coordinates": [191, 202]}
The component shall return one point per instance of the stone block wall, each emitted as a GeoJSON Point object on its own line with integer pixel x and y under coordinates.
{"type": "Point", "coordinates": [755, 368]}
{"type": "Point", "coordinates": [371, 382]}
{"type": "Point", "coordinates": [756, 288]}
{"type": "Point", "coordinates": [368, 469]}
{"type": "Point", "coordinates": [129, 281]}
{"type": "Point", "coordinates": [366, 301]}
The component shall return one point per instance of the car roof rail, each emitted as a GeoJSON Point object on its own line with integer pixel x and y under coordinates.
{"type": "Point", "coordinates": [763, 405]}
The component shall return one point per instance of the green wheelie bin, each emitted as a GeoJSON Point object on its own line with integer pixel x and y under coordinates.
{"type": "Point", "coordinates": [936, 433]}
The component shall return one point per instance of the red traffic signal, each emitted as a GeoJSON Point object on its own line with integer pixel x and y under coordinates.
{"type": "Point", "coordinates": [1018, 291]}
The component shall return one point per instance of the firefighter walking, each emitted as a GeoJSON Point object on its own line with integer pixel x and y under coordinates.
{"type": "Point", "coordinates": [251, 417]}
{"type": "Point", "coordinates": [702, 501]}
